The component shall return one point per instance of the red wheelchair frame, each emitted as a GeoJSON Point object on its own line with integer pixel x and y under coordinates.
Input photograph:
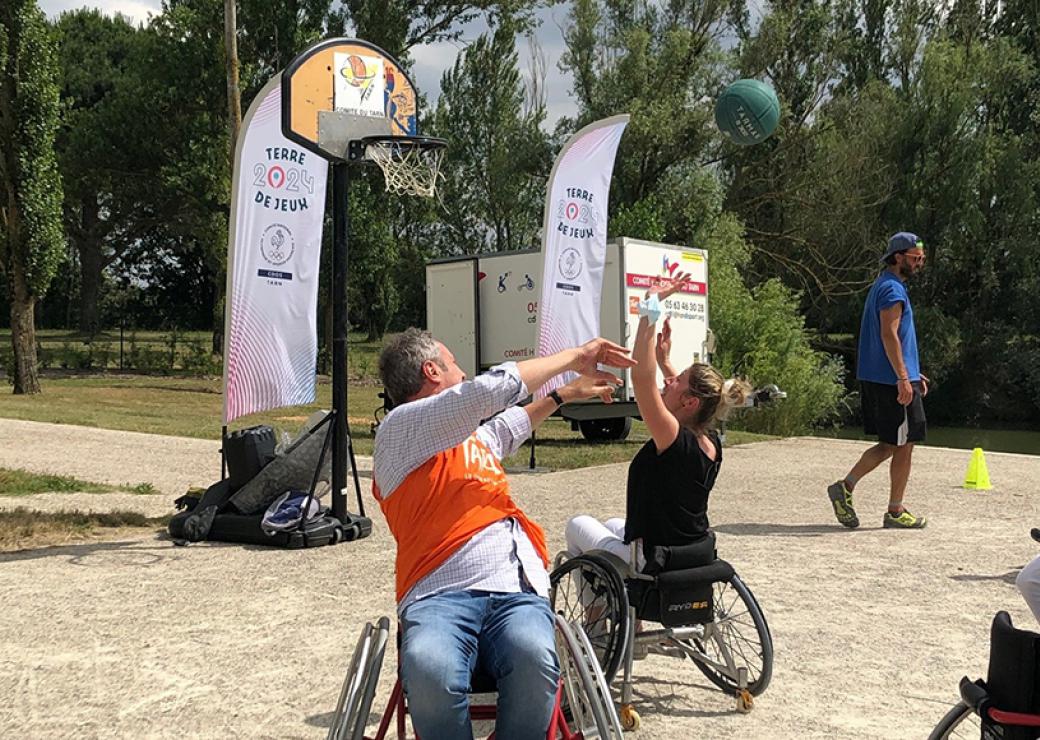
{"type": "Point", "coordinates": [581, 685]}
{"type": "Point", "coordinates": [558, 727]}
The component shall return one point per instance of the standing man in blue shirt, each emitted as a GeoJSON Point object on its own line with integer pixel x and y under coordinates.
{"type": "Point", "coordinates": [892, 384]}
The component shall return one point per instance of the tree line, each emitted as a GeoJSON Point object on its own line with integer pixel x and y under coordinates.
{"type": "Point", "coordinates": [917, 115]}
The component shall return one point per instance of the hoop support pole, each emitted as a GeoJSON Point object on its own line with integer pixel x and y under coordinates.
{"type": "Point", "coordinates": [340, 227]}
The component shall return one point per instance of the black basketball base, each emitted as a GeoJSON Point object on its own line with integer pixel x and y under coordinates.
{"type": "Point", "coordinates": [320, 531]}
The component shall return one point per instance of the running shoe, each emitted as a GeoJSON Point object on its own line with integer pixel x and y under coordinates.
{"type": "Point", "coordinates": [841, 500]}
{"type": "Point", "coordinates": [903, 520]}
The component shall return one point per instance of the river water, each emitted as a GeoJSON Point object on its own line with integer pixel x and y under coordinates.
{"type": "Point", "coordinates": [992, 440]}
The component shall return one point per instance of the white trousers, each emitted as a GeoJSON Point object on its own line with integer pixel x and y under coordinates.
{"type": "Point", "coordinates": [1028, 583]}
{"type": "Point", "coordinates": [586, 533]}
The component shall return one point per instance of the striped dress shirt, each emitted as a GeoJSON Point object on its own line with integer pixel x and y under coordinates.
{"type": "Point", "coordinates": [500, 558]}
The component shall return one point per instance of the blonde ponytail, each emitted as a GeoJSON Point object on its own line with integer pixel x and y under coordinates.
{"type": "Point", "coordinates": [718, 397]}
{"type": "Point", "coordinates": [734, 393]}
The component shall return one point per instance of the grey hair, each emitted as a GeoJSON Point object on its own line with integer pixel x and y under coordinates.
{"type": "Point", "coordinates": [401, 361]}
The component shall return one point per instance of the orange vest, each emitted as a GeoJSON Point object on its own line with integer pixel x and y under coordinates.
{"type": "Point", "coordinates": [443, 503]}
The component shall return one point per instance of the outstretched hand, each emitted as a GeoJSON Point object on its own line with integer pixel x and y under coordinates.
{"type": "Point", "coordinates": [668, 286]}
{"type": "Point", "coordinates": [600, 385]}
{"type": "Point", "coordinates": [664, 341]}
{"type": "Point", "coordinates": [600, 352]}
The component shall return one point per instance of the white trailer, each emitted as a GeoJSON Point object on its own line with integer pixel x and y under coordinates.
{"type": "Point", "coordinates": [485, 309]}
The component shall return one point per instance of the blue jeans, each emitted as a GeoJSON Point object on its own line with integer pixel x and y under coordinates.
{"type": "Point", "coordinates": [508, 636]}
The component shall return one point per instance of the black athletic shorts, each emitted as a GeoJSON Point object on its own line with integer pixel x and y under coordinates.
{"type": "Point", "coordinates": [890, 420]}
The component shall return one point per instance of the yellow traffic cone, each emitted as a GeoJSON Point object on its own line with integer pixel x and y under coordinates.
{"type": "Point", "coordinates": [977, 477]}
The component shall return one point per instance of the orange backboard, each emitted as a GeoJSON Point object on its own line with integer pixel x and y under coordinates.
{"type": "Point", "coordinates": [341, 90]}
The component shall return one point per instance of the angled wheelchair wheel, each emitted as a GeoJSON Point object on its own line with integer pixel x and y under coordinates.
{"type": "Point", "coordinates": [959, 722]}
{"type": "Point", "coordinates": [738, 639]}
{"type": "Point", "coordinates": [589, 592]}
{"type": "Point", "coordinates": [586, 695]}
{"type": "Point", "coordinates": [359, 686]}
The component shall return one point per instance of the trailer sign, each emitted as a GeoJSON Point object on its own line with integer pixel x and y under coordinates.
{"type": "Point", "coordinates": [687, 309]}
{"type": "Point", "coordinates": [649, 281]}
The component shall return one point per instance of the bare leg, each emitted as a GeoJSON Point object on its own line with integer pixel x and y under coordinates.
{"type": "Point", "coordinates": [900, 474]}
{"type": "Point", "coordinates": [869, 460]}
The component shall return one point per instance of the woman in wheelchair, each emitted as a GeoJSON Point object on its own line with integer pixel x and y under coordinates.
{"type": "Point", "coordinates": [705, 612]}
{"type": "Point", "coordinates": [671, 477]}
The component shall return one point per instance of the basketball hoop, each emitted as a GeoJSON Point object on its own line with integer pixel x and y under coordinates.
{"type": "Point", "coordinates": [411, 165]}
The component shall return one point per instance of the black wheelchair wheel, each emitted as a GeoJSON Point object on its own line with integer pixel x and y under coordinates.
{"type": "Point", "coordinates": [740, 630]}
{"type": "Point", "coordinates": [959, 722]}
{"type": "Point", "coordinates": [589, 592]}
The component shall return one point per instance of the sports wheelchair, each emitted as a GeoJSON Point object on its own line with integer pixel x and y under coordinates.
{"type": "Point", "coordinates": [1005, 706]}
{"type": "Point", "coordinates": [583, 708]}
{"type": "Point", "coordinates": [705, 611]}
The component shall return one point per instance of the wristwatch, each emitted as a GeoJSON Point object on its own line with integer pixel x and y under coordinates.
{"type": "Point", "coordinates": [555, 395]}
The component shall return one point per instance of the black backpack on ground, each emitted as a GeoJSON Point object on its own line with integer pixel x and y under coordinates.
{"type": "Point", "coordinates": [247, 451]}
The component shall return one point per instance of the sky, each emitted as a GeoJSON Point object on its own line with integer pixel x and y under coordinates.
{"type": "Point", "coordinates": [430, 61]}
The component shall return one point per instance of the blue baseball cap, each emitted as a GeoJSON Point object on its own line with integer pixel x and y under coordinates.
{"type": "Point", "coordinates": [902, 242]}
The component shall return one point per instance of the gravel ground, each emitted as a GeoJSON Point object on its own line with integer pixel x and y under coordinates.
{"type": "Point", "coordinates": [138, 638]}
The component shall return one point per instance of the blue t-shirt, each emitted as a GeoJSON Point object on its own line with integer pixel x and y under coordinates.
{"type": "Point", "coordinates": [873, 364]}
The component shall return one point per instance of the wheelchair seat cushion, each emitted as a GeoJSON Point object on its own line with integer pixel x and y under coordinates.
{"type": "Point", "coordinates": [679, 597]}
{"type": "Point", "coordinates": [1013, 677]}
{"type": "Point", "coordinates": [662, 558]}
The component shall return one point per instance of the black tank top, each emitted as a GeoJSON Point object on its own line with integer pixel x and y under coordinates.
{"type": "Point", "coordinates": [667, 500]}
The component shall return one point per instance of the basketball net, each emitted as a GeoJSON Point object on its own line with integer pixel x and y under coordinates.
{"type": "Point", "coordinates": [408, 169]}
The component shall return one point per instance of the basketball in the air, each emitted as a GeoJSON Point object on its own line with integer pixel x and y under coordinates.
{"type": "Point", "coordinates": [747, 112]}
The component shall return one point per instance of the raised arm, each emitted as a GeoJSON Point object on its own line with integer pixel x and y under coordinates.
{"type": "Point", "coordinates": [660, 422]}
{"type": "Point", "coordinates": [579, 389]}
{"type": "Point", "coordinates": [583, 360]}
{"type": "Point", "coordinates": [664, 349]}
{"type": "Point", "coordinates": [506, 432]}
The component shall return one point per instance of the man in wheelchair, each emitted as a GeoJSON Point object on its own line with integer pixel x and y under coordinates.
{"type": "Point", "coordinates": [471, 580]}
{"type": "Point", "coordinates": [672, 475]}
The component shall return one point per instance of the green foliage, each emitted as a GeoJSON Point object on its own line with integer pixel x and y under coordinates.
{"type": "Point", "coordinates": [923, 121]}
{"type": "Point", "coordinates": [31, 239]}
{"type": "Point", "coordinates": [661, 66]}
{"type": "Point", "coordinates": [974, 195]}
{"type": "Point", "coordinates": [498, 156]}
{"type": "Point", "coordinates": [761, 336]}
{"type": "Point", "coordinates": [197, 359]}
{"type": "Point", "coordinates": [147, 358]}
{"type": "Point", "coordinates": [107, 173]}
{"type": "Point", "coordinates": [374, 254]}
{"type": "Point", "coordinates": [642, 217]}
{"type": "Point", "coordinates": [400, 25]}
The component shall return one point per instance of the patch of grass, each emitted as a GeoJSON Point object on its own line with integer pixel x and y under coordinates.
{"type": "Point", "coordinates": [23, 483]}
{"type": "Point", "coordinates": [15, 482]}
{"type": "Point", "coordinates": [143, 489]}
{"type": "Point", "coordinates": [183, 407]}
{"type": "Point", "coordinates": [22, 528]}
